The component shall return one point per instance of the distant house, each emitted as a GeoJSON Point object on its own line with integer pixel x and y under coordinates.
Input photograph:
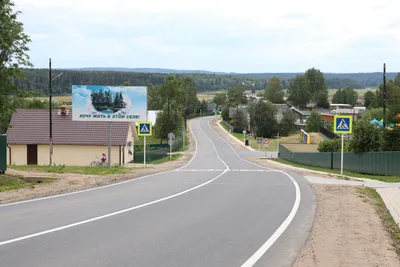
{"type": "Point", "coordinates": [75, 143]}
{"type": "Point", "coordinates": [212, 107]}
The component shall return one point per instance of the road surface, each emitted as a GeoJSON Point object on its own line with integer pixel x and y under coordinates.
{"type": "Point", "coordinates": [219, 210]}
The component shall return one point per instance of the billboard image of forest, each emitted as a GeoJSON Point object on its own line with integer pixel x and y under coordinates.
{"type": "Point", "coordinates": [109, 103]}
{"type": "Point", "coordinates": [106, 102]}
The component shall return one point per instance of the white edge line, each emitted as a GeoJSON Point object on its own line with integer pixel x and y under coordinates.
{"type": "Point", "coordinates": [124, 210]}
{"type": "Point", "coordinates": [215, 149]}
{"type": "Point", "coordinates": [110, 214]}
{"type": "Point", "coordinates": [281, 229]}
{"type": "Point", "coordinates": [109, 185]}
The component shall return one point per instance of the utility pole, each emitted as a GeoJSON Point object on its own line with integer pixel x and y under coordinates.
{"type": "Point", "coordinates": [50, 117]}
{"type": "Point", "coordinates": [168, 126]}
{"type": "Point", "coordinates": [384, 95]}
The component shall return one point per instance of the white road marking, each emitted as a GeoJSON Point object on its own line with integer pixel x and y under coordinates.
{"type": "Point", "coordinates": [281, 229]}
{"type": "Point", "coordinates": [110, 185]}
{"type": "Point", "coordinates": [2, 243]}
{"type": "Point", "coordinates": [108, 215]}
{"type": "Point", "coordinates": [215, 149]}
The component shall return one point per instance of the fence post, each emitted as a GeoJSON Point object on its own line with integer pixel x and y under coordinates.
{"type": "Point", "coordinates": [331, 160]}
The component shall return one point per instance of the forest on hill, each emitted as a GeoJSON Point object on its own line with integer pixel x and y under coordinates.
{"type": "Point", "coordinates": [37, 79]}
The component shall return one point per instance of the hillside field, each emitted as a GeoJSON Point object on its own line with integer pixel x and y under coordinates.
{"type": "Point", "coordinates": [210, 95]}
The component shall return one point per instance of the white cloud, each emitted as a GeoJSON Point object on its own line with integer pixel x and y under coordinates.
{"type": "Point", "coordinates": [240, 36]}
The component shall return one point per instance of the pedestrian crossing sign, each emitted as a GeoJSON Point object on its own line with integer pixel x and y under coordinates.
{"type": "Point", "coordinates": [343, 124]}
{"type": "Point", "coordinates": [145, 129]}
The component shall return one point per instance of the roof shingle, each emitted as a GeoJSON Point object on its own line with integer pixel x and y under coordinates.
{"type": "Point", "coordinates": [31, 126]}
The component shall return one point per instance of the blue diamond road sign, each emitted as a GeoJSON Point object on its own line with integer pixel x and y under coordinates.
{"type": "Point", "coordinates": [145, 129]}
{"type": "Point", "coordinates": [343, 124]}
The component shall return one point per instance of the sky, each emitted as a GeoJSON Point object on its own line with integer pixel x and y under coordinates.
{"type": "Point", "coordinates": [215, 35]}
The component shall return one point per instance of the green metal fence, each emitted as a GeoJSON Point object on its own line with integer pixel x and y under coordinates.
{"type": "Point", "coordinates": [156, 151]}
{"type": "Point", "coordinates": [385, 163]}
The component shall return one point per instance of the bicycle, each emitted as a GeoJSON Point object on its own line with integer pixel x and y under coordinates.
{"type": "Point", "coordinates": [97, 162]}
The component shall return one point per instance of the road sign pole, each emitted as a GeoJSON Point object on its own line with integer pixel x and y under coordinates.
{"type": "Point", "coordinates": [341, 157]}
{"type": "Point", "coordinates": [265, 152]}
{"type": "Point", "coordinates": [277, 143]}
{"type": "Point", "coordinates": [170, 150]}
{"type": "Point", "coordinates": [133, 149]}
{"type": "Point", "coordinates": [259, 146]}
{"type": "Point", "coordinates": [109, 144]}
{"type": "Point", "coordinates": [144, 153]}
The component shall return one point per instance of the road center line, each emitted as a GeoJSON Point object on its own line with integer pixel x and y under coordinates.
{"type": "Point", "coordinates": [281, 229]}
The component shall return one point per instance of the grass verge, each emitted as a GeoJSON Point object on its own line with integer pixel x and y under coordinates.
{"type": "Point", "coordinates": [89, 170]}
{"type": "Point", "coordinates": [370, 195]}
{"type": "Point", "coordinates": [272, 142]}
{"type": "Point", "coordinates": [10, 182]}
{"type": "Point", "coordinates": [166, 159]}
{"type": "Point", "coordinates": [388, 179]}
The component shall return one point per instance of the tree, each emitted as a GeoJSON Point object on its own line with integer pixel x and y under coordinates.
{"type": "Point", "coordinates": [262, 119]}
{"type": "Point", "coordinates": [166, 124]}
{"type": "Point", "coordinates": [346, 95]}
{"type": "Point", "coordinates": [240, 121]}
{"type": "Point", "coordinates": [13, 56]}
{"type": "Point", "coordinates": [365, 137]}
{"type": "Point", "coordinates": [274, 92]}
{"type": "Point", "coordinates": [313, 122]}
{"type": "Point", "coordinates": [370, 100]}
{"type": "Point", "coordinates": [225, 113]}
{"type": "Point", "coordinates": [286, 126]}
{"type": "Point", "coordinates": [220, 99]}
{"type": "Point", "coordinates": [236, 96]}
{"type": "Point", "coordinates": [392, 94]}
{"type": "Point", "coordinates": [203, 106]}
{"type": "Point", "coordinates": [299, 92]}
{"type": "Point", "coordinates": [318, 89]}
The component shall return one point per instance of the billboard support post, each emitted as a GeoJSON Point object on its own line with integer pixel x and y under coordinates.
{"type": "Point", "coordinates": [109, 144]}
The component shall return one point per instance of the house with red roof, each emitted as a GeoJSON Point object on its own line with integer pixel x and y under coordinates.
{"type": "Point", "coordinates": [75, 143]}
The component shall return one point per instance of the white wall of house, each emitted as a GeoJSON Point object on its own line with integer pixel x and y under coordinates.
{"type": "Point", "coordinates": [71, 155]}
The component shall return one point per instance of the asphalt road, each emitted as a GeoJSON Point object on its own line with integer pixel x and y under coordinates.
{"type": "Point", "coordinates": [219, 210]}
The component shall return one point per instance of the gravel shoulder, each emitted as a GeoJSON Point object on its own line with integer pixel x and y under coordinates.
{"type": "Point", "coordinates": [69, 182]}
{"type": "Point", "coordinates": [347, 230]}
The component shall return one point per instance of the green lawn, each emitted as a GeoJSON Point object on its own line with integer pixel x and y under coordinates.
{"type": "Point", "coordinates": [8, 182]}
{"type": "Point", "coordinates": [90, 170]}
{"type": "Point", "coordinates": [388, 179]}
{"type": "Point", "coordinates": [166, 159]}
{"type": "Point", "coordinates": [272, 141]}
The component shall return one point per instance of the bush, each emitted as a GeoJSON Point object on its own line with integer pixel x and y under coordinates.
{"type": "Point", "coordinates": [365, 137]}
{"type": "Point", "coordinates": [391, 139]}
{"type": "Point", "coordinates": [330, 145]}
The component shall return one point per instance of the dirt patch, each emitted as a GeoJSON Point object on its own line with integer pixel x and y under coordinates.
{"type": "Point", "coordinates": [69, 182]}
{"type": "Point", "coordinates": [347, 231]}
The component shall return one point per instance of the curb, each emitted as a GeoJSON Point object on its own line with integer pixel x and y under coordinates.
{"type": "Point", "coordinates": [233, 137]}
{"type": "Point", "coordinates": [366, 180]}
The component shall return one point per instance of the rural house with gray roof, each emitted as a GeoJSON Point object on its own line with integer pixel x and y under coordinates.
{"type": "Point", "coordinates": [75, 143]}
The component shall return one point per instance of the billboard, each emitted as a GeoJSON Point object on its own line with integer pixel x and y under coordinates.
{"type": "Point", "coordinates": [109, 103]}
